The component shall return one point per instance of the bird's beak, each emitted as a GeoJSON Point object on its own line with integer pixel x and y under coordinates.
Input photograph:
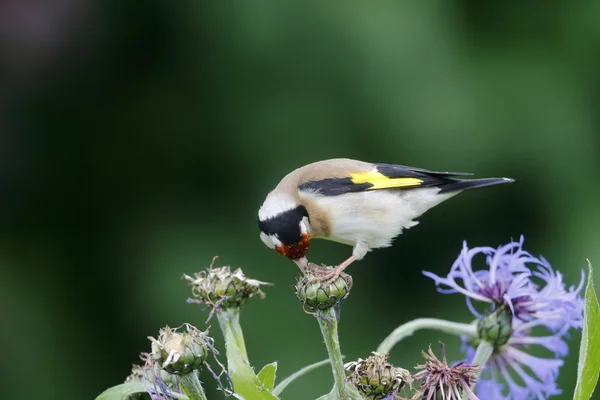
{"type": "Point", "coordinates": [302, 263]}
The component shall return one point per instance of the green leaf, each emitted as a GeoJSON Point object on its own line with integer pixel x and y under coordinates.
{"type": "Point", "coordinates": [122, 391]}
{"type": "Point", "coordinates": [125, 390]}
{"type": "Point", "coordinates": [245, 381]}
{"type": "Point", "coordinates": [589, 352]}
{"type": "Point", "coordinates": [267, 375]}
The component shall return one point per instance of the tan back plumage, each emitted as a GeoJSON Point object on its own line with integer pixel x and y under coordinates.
{"type": "Point", "coordinates": [332, 168]}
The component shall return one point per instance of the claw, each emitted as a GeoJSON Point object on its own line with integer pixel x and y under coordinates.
{"type": "Point", "coordinates": [335, 273]}
{"type": "Point", "coordinates": [330, 277]}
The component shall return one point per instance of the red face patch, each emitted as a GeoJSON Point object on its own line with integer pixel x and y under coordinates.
{"type": "Point", "coordinates": [296, 250]}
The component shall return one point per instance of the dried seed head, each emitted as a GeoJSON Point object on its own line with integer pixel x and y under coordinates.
{"type": "Point", "coordinates": [375, 378]}
{"type": "Point", "coordinates": [181, 352]}
{"type": "Point", "coordinates": [220, 289]}
{"type": "Point", "coordinates": [439, 380]}
{"type": "Point", "coordinates": [495, 327]}
{"type": "Point", "coordinates": [321, 295]}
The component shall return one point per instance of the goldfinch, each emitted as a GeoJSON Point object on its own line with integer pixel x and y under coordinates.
{"type": "Point", "coordinates": [353, 202]}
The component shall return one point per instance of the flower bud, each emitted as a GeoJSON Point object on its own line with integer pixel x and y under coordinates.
{"type": "Point", "coordinates": [375, 378]}
{"type": "Point", "coordinates": [322, 295]}
{"type": "Point", "coordinates": [495, 326]}
{"type": "Point", "coordinates": [220, 289]}
{"type": "Point", "coordinates": [181, 352]}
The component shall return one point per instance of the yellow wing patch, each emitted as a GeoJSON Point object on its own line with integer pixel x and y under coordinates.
{"type": "Point", "coordinates": [380, 181]}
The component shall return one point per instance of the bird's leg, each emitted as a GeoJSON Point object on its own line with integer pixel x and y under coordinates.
{"type": "Point", "coordinates": [336, 272]}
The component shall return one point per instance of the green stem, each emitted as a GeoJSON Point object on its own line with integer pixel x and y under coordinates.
{"type": "Point", "coordinates": [192, 386]}
{"type": "Point", "coordinates": [411, 327]}
{"type": "Point", "coordinates": [232, 316]}
{"type": "Point", "coordinates": [329, 329]}
{"type": "Point", "coordinates": [482, 355]}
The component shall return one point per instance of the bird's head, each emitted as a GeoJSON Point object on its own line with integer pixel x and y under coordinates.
{"type": "Point", "coordinates": [285, 227]}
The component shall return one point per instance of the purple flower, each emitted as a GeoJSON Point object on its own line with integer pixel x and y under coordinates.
{"type": "Point", "coordinates": [524, 376]}
{"type": "Point", "coordinates": [535, 293]}
{"type": "Point", "coordinates": [440, 380]}
{"type": "Point", "coordinates": [537, 297]}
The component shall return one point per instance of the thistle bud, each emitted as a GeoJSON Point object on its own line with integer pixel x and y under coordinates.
{"type": "Point", "coordinates": [181, 352]}
{"type": "Point", "coordinates": [220, 289]}
{"type": "Point", "coordinates": [495, 326]}
{"type": "Point", "coordinates": [375, 378]}
{"type": "Point", "coordinates": [322, 295]}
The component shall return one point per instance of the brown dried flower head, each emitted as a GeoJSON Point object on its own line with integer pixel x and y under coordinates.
{"type": "Point", "coordinates": [181, 352]}
{"type": "Point", "coordinates": [439, 380]}
{"type": "Point", "coordinates": [375, 378]}
{"type": "Point", "coordinates": [219, 288]}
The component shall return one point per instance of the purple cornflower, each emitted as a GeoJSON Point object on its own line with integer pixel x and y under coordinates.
{"type": "Point", "coordinates": [525, 376]}
{"type": "Point", "coordinates": [537, 297]}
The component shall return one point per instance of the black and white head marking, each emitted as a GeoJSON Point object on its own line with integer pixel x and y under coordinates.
{"type": "Point", "coordinates": [284, 227]}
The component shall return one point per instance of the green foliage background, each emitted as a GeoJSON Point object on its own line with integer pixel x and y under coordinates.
{"type": "Point", "coordinates": [142, 139]}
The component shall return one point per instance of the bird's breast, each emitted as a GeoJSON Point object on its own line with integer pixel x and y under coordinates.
{"type": "Point", "coordinates": [373, 217]}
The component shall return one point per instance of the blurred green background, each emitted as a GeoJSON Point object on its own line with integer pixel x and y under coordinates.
{"type": "Point", "coordinates": [137, 140]}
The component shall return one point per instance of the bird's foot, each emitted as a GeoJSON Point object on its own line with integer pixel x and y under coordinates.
{"type": "Point", "coordinates": [328, 277]}
{"type": "Point", "coordinates": [324, 274]}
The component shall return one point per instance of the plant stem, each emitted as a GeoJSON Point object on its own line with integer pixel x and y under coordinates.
{"type": "Point", "coordinates": [192, 386]}
{"type": "Point", "coordinates": [482, 355]}
{"type": "Point", "coordinates": [329, 329]}
{"type": "Point", "coordinates": [232, 316]}
{"type": "Point", "coordinates": [411, 327]}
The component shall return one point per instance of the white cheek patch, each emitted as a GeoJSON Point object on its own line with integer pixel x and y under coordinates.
{"type": "Point", "coordinates": [267, 240]}
{"type": "Point", "coordinates": [276, 242]}
{"type": "Point", "coordinates": [270, 241]}
{"type": "Point", "coordinates": [305, 226]}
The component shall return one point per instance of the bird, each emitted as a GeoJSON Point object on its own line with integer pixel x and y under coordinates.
{"type": "Point", "coordinates": [357, 203]}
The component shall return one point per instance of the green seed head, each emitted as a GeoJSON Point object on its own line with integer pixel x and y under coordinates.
{"type": "Point", "coordinates": [495, 326]}
{"type": "Point", "coordinates": [375, 378]}
{"type": "Point", "coordinates": [322, 295]}
{"type": "Point", "coordinates": [220, 289]}
{"type": "Point", "coordinates": [181, 352]}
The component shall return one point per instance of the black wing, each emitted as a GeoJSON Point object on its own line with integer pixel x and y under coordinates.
{"type": "Point", "coordinates": [386, 176]}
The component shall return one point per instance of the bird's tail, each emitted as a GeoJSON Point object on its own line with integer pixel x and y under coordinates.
{"type": "Point", "coordinates": [456, 185]}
